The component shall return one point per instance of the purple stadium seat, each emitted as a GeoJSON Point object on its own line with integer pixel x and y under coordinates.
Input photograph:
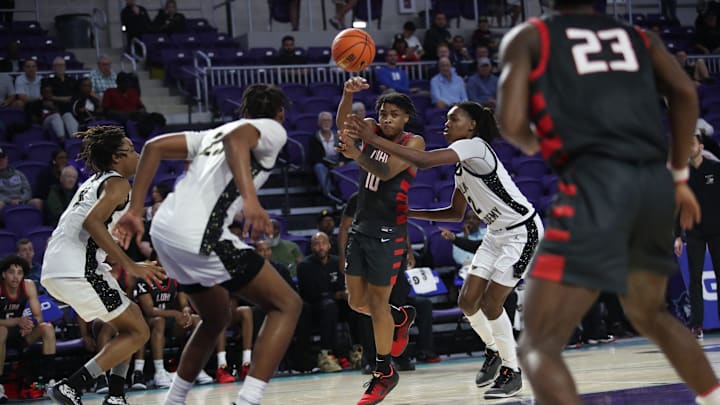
{"type": "Point", "coordinates": [227, 99]}
{"type": "Point", "coordinates": [27, 28]}
{"type": "Point", "coordinates": [346, 179]}
{"type": "Point", "coordinates": [303, 137]}
{"type": "Point", "coordinates": [417, 233]}
{"type": "Point", "coordinates": [20, 218]}
{"type": "Point", "coordinates": [166, 179]}
{"type": "Point", "coordinates": [315, 105]}
{"type": "Point", "coordinates": [12, 116]}
{"type": "Point", "coordinates": [529, 166]}
{"type": "Point", "coordinates": [33, 134]}
{"type": "Point", "coordinates": [435, 116]}
{"type": "Point", "coordinates": [305, 122]}
{"type": "Point", "coordinates": [8, 242]}
{"type": "Point", "coordinates": [318, 54]}
{"type": "Point", "coordinates": [294, 153]}
{"type": "Point", "coordinates": [434, 134]}
{"type": "Point", "coordinates": [262, 55]}
{"type": "Point", "coordinates": [198, 25]}
{"type": "Point", "coordinates": [13, 152]}
{"type": "Point", "coordinates": [41, 151]}
{"type": "Point", "coordinates": [295, 91]}
{"type": "Point", "coordinates": [39, 237]}
{"type": "Point", "coordinates": [441, 250]}
{"type": "Point", "coordinates": [421, 102]}
{"type": "Point", "coordinates": [421, 196]}
{"type": "Point", "coordinates": [186, 40]}
{"type": "Point", "coordinates": [444, 193]}
{"type": "Point", "coordinates": [31, 170]}
{"type": "Point", "coordinates": [328, 90]}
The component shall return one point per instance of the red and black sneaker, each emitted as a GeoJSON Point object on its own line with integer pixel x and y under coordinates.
{"type": "Point", "coordinates": [378, 387]}
{"type": "Point", "coordinates": [402, 331]}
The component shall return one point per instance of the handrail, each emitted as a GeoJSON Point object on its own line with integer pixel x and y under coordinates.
{"type": "Point", "coordinates": [129, 57]}
{"type": "Point", "coordinates": [133, 49]}
{"type": "Point", "coordinates": [712, 62]}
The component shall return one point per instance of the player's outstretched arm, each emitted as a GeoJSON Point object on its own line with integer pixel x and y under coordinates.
{"type": "Point", "coordinates": [516, 52]}
{"type": "Point", "coordinates": [352, 85]}
{"type": "Point", "coordinates": [454, 212]}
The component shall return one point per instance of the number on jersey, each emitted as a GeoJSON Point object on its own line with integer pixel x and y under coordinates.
{"type": "Point", "coordinates": [372, 182]}
{"type": "Point", "coordinates": [592, 45]}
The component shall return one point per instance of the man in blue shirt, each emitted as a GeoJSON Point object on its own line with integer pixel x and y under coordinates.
{"type": "Point", "coordinates": [391, 77]}
{"type": "Point", "coordinates": [482, 86]}
{"type": "Point", "coordinates": [446, 87]}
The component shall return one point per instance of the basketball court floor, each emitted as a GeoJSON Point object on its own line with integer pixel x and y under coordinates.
{"type": "Point", "coordinates": [630, 371]}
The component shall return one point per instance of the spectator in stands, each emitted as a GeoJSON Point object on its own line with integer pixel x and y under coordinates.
{"type": "Point", "coordinates": [11, 62]}
{"type": "Point", "coordinates": [436, 34]}
{"type": "Point", "coordinates": [321, 286]}
{"type": "Point", "coordinates": [14, 186]}
{"type": "Point", "coordinates": [63, 86]}
{"type": "Point", "coordinates": [50, 176]}
{"type": "Point", "coordinates": [48, 113]}
{"type": "Point", "coordinates": [27, 85]}
{"type": "Point", "coordinates": [446, 87]}
{"type": "Point", "coordinates": [168, 20]}
{"type": "Point", "coordinates": [465, 245]}
{"type": "Point", "coordinates": [413, 43]}
{"type": "Point", "coordinates": [322, 154]}
{"type": "Point", "coordinates": [17, 330]}
{"type": "Point", "coordinates": [158, 194]}
{"type": "Point", "coordinates": [103, 77]}
{"type": "Point", "coordinates": [123, 102]}
{"type": "Point", "coordinates": [60, 195]}
{"type": "Point", "coordinates": [483, 36]}
{"type": "Point", "coordinates": [695, 68]}
{"type": "Point", "coordinates": [86, 106]}
{"type": "Point", "coordinates": [136, 21]}
{"type": "Point", "coordinates": [358, 108]}
{"type": "Point", "coordinates": [326, 224]}
{"type": "Point", "coordinates": [8, 95]}
{"type": "Point", "coordinates": [443, 51]}
{"type": "Point", "coordinates": [482, 86]}
{"type": "Point", "coordinates": [166, 309]}
{"type": "Point", "coordinates": [285, 252]}
{"type": "Point", "coordinates": [404, 53]}
{"type": "Point", "coordinates": [459, 56]}
{"type": "Point", "coordinates": [711, 149]}
{"type": "Point", "coordinates": [707, 33]}
{"type": "Point", "coordinates": [26, 250]}
{"type": "Point", "coordinates": [391, 77]}
{"type": "Point", "coordinates": [342, 7]}
{"type": "Point", "coordinates": [287, 55]}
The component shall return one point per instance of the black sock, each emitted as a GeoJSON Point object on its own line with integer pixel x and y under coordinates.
{"type": "Point", "coordinates": [382, 364]}
{"type": "Point", "coordinates": [48, 364]}
{"type": "Point", "coordinates": [82, 379]}
{"type": "Point", "coordinates": [399, 315]}
{"type": "Point", "coordinates": [117, 386]}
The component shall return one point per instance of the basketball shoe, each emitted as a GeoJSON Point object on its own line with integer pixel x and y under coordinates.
{"type": "Point", "coordinates": [490, 368]}
{"type": "Point", "coordinates": [402, 331]}
{"type": "Point", "coordinates": [115, 400]}
{"type": "Point", "coordinates": [378, 387]}
{"type": "Point", "coordinates": [65, 394]}
{"type": "Point", "coordinates": [223, 376]}
{"type": "Point", "coordinates": [507, 384]}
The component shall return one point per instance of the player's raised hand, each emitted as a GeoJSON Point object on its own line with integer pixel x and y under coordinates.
{"type": "Point", "coordinates": [355, 84]}
{"type": "Point", "coordinates": [257, 221]}
{"type": "Point", "coordinates": [357, 127]}
{"type": "Point", "coordinates": [129, 225]}
{"type": "Point", "coordinates": [149, 271]}
{"type": "Point", "coordinates": [686, 206]}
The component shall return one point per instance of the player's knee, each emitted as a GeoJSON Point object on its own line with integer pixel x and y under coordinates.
{"type": "Point", "coordinates": [47, 332]}
{"type": "Point", "coordinates": [157, 324]}
{"type": "Point", "coordinates": [358, 303]}
{"type": "Point", "coordinates": [468, 304]}
{"type": "Point", "coordinates": [491, 308]}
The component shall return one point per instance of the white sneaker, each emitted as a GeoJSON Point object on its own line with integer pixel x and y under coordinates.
{"type": "Point", "coordinates": [3, 397]}
{"type": "Point", "coordinates": [203, 378]}
{"type": "Point", "coordinates": [162, 379]}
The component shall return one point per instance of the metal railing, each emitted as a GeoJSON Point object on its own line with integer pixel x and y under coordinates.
{"type": "Point", "coordinates": [712, 62]}
{"type": "Point", "coordinates": [131, 60]}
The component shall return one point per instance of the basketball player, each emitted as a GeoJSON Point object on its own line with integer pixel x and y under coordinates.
{"type": "Point", "coordinates": [588, 83]}
{"type": "Point", "coordinates": [74, 270]}
{"type": "Point", "coordinates": [191, 236]}
{"type": "Point", "coordinates": [377, 247]}
{"type": "Point", "coordinates": [514, 230]}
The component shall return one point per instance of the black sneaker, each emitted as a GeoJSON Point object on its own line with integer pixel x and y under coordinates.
{"type": "Point", "coordinates": [137, 381]}
{"type": "Point", "coordinates": [490, 368]}
{"type": "Point", "coordinates": [65, 394]}
{"type": "Point", "coordinates": [507, 384]}
{"type": "Point", "coordinates": [115, 400]}
{"type": "Point", "coordinates": [378, 387]}
{"type": "Point", "coordinates": [101, 385]}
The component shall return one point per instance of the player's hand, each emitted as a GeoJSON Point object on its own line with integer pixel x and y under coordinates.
{"type": "Point", "coordinates": [355, 84]}
{"type": "Point", "coordinates": [346, 146]}
{"type": "Point", "coordinates": [129, 225]}
{"type": "Point", "coordinates": [257, 221]}
{"type": "Point", "coordinates": [411, 259]}
{"type": "Point", "coordinates": [186, 318]}
{"type": "Point", "coordinates": [358, 128]}
{"type": "Point", "coordinates": [686, 206]}
{"type": "Point", "coordinates": [149, 271]}
{"type": "Point", "coordinates": [26, 325]}
{"type": "Point", "coordinates": [678, 246]}
{"type": "Point", "coordinates": [446, 234]}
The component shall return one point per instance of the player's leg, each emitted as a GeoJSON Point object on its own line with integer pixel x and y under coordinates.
{"type": "Point", "coordinates": [509, 381]}
{"type": "Point", "coordinates": [46, 367]}
{"type": "Point", "coordinates": [223, 374]}
{"type": "Point", "coordinates": [695, 252]}
{"type": "Point", "coordinates": [3, 349]}
{"type": "Point", "coordinates": [644, 306]}
{"type": "Point", "coordinates": [158, 328]}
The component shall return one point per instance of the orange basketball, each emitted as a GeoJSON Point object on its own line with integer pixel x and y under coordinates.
{"type": "Point", "coordinates": [353, 50]}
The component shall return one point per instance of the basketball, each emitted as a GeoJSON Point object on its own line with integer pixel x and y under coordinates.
{"type": "Point", "coordinates": [353, 50]}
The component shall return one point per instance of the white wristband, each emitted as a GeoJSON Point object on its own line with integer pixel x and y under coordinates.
{"type": "Point", "coordinates": [680, 175]}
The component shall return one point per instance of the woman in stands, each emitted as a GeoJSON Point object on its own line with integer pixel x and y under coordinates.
{"type": "Point", "coordinates": [514, 230]}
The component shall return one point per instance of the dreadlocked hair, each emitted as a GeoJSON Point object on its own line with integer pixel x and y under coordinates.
{"type": "Point", "coordinates": [398, 99]}
{"type": "Point", "coordinates": [262, 101]}
{"type": "Point", "coordinates": [485, 124]}
{"type": "Point", "coordinates": [99, 144]}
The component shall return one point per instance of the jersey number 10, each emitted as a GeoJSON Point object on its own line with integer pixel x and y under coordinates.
{"type": "Point", "coordinates": [591, 45]}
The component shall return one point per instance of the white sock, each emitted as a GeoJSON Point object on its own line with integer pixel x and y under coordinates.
{"type": "Point", "coordinates": [178, 391]}
{"type": "Point", "coordinates": [711, 397]}
{"type": "Point", "coordinates": [247, 356]}
{"type": "Point", "coordinates": [139, 365]}
{"type": "Point", "coordinates": [481, 326]}
{"type": "Point", "coordinates": [222, 359]}
{"type": "Point", "coordinates": [502, 331]}
{"type": "Point", "coordinates": [159, 366]}
{"type": "Point", "coordinates": [251, 392]}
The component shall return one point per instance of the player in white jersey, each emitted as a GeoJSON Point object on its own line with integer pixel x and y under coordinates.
{"type": "Point", "coordinates": [514, 230]}
{"type": "Point", "coordinates": [191, 236]}
{"type": "Point", "coordinates": [74, 270]}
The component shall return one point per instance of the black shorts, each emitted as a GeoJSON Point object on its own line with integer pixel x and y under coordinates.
{"type": "Point", "coordinates": [377, 260]}
{"type": "Point", "coordinates": [609, 218]}
{"type": "Point", "coordinates": [242, 264]}
{"type": "Point", "coordinates": [15, 339]}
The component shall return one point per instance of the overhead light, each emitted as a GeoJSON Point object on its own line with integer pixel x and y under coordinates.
{"type": "Point", "coordinates": [359, 24]}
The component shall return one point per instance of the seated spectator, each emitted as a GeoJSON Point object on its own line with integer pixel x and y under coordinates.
{"type": "Point", "coordinates": [167, 310]}
{"type": "Point", "coordinates": [391, 77]}
{"type": "Point", "coordinates": [695, 68]}
{"type": "Point", "coordinates": [483, 36]}
{"type": "Point", "coordinates": [63, 86]}
{"type": "Point", "coordinates": [136, 21]}
{"type": "Point", "coordinates": [482, 86]}
{"type": "Point", "coordinates": [326, 224]}
{"type": "Point", "coordinates": [436, 34]}
{"type": "Point", "coordinates": [27, 85]}
{"type": "Point", "coordinates": [14, 186]}
{"type": "Point", "coordinates": [123, 102]}
{"type": "Point", "coordinates": [413, 43]}
{"type": "Point", "coordinates": [443, 51]}
{"type": "Point", "coordinates": [446, 87]}
{"type": "Point", "coordinates": [705, 131]}
{"type": "Point", "coordinates": [18, 330]}
{"type": "Point", "coordinates": [320, 285]}
{"type": "Point", "coordinates": [322, 154]}
{"type": "Point", "coordinates": [459, 56]}
{"type": "Point", "coordinates": [50, 176]}
{"type": "Point", "coordinates": [11, 62]}
{"type": "Point", "coordinates": [286, 54]}
{"type": "Point", "coordinates": [342, 7]}
{"type": "Point", "coordinates": [26, 250]}
{"type": "Point", "coordinates": [48, 113]}
{"type": "Point", "coordinates": [60, 195]}
{"type": "Point", "coordinates": [86, 105]}
{"type": "Point", "coordinates": [405, 54]}
{"type": "Point", "coordinates": [285, 252]}
{"type": "Point", "coordinates": [168, 20]}
{"type": "Point", "coordinates": [103, 77]}
{"type": "Point", "coordinates": [707, 33]}
{"type": "Point", "coordinates": [465, 245]}
{"type": "Point", "coordinates": [8, 95]}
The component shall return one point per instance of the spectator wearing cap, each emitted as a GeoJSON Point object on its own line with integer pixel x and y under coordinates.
{"type": "Point", "coordinates": [482, 86]}
{"type": "Point", "coordinates": [326, 224]}
{"type": "Point", "coordinates": [14, 186]}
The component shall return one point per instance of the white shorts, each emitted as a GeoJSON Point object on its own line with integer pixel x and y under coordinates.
{"type": "Point", "coordinates": [237, 263]}
{"type": "Point", "coordinates": [505, 254]}
{"type": "Point", "coordinates": [95, 297]}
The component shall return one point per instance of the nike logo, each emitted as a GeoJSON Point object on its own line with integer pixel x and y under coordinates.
{"type": "Point", "coordinates": [384, 240]}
